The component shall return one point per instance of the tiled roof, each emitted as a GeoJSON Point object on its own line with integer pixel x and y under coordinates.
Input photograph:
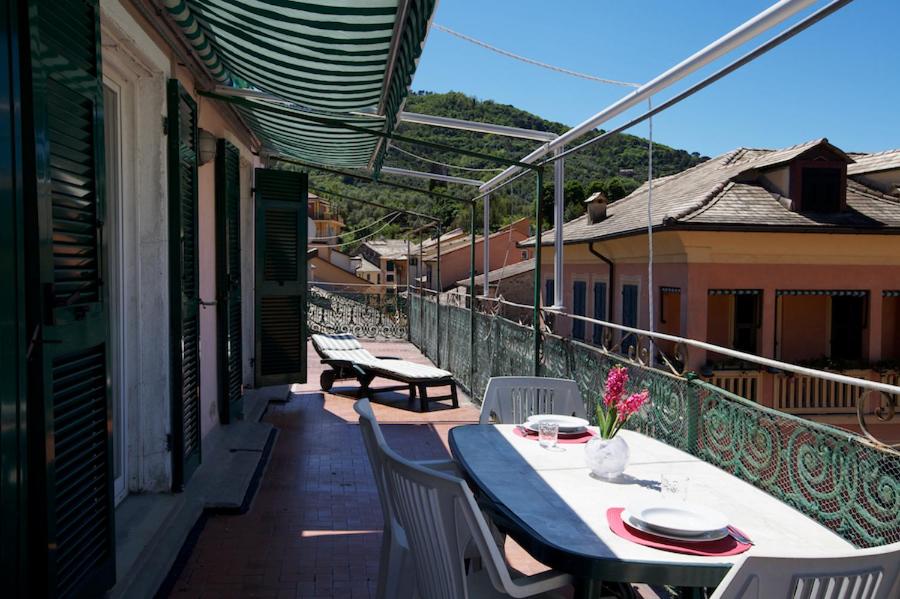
{"type": "Point", "coordinates": [366, 266]}
{"type": "Point", "coordinates": [713, 193]}
{"type": "Point", "coordinates": [499, 274]}
{"type": "Point", "coordinates": [391, 249]}
{"type": "Point", "coordinates": [872, 163]}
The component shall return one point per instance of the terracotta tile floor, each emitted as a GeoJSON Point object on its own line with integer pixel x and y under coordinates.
{"type": "Point", "coordinates": [314, 527]}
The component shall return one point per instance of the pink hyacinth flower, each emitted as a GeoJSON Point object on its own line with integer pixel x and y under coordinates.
{"type": "Point", "coordinates": [615, 386]}
{"type": "Point", "coordinates": [632, 404]}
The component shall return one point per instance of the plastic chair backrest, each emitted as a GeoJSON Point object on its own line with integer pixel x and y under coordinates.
{"type": "Point", "coordinates": [441, 518]}
{"type": "Point", "coordinates": [512, 399]}
{"type": "Point", "coordinates": [373, 439]}
{"type": "Point", "coordinates": [864, 574]}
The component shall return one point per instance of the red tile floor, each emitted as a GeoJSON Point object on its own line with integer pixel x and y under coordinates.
{"type": "Point", "coordinates": [314, 527]}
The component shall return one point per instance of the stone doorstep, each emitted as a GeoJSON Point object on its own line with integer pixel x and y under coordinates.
{"type": "Point", "coordinates": [151, 529]}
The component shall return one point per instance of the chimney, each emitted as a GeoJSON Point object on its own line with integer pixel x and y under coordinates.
{"type": "Point", "coordinates": [596, 208]}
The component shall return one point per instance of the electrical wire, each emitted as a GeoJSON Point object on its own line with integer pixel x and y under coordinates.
{"type": "Point", "coordinates": [363, 228]}
{"type": "Point", "coordinates": [464, 168]}
{"type": "Point", "coordinates": [372, 234]}
{"type": "Point", "coordinates": [531, 61]}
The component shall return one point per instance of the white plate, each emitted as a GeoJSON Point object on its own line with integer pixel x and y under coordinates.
{"type": "Point", "coordinates": [681, 519]}
{"type": "Point", "coordinates": [567, 424]}
{"type": "Point", "coordinates": [708, 536]}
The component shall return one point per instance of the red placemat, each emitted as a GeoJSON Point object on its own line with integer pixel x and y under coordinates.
{"type": "Point", "coordinates": [563, 438]}
{"type": "Point", "coordinates": [720, 548]}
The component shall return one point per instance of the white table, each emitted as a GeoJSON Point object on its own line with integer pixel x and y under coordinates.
{"type": "Point", "coordinates": [548, 501]}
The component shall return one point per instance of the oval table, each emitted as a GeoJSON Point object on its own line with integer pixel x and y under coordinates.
{"type": "Point", "coordinates": [549, 502]}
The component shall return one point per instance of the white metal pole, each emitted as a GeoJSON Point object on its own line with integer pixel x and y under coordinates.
{"type": "Point", "coordinates": [485, 246]}
{"type": "Point", "coordinates": [559, 206]}
{"type": "Point", "coordinates": [775, 14]}
{"type": "Point", "coordinates": [650, 289]}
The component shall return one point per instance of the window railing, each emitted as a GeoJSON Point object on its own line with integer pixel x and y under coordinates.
{"type": "Point", "coordinates": [842, 480]}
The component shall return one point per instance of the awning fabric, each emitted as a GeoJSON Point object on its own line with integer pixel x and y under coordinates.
{"type": "Point", "coordinates": [332, 57]}
{"type": "Point", "coordinates": [734, 292]}
{"type": "Point", "coordinates": [836, 292]}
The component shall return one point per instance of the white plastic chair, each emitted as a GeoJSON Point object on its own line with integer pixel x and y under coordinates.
{"type": "Point", "coordinates": [441, 520]}
{"type": "Point", "coordinates": [396, 574]}
{"type": "Point", "coordinates": [512, 399]}
{"type": "Point", "coordinates": [864, 574]}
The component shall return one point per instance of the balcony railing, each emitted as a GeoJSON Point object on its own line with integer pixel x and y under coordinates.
{"type": "Point", "coordinates": [842, 480]}
{"type": "Point", "coordinates": [366, 315]}
{"type": "Point", "coordinates": [743, 383]}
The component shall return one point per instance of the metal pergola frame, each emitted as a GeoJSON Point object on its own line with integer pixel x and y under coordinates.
{"type": "Point", "coordinates": [554, 145]}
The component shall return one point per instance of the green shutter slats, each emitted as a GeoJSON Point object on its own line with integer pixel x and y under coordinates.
{"type": "Point", "coordinates": [184, 284]}
{"type": "Point", "coordinates": [228, 281]}
{"type": "Point", "coordinates": [281, 208]}
{"type": "Point", "coordinates": [281, 335]}
{"type": "Point", "coordinates": [191, 387]}
{"type": "Point", "coordinates": [74, 199]}
{"type": "Point", "coordinates": [72, 386]}
{"type": "Point", "coordinates": [281, 257]}
{"type": "Point", "coordinates": [81, 460]}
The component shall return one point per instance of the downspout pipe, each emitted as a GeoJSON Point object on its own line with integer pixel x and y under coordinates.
{"type": "Point", "coordinates": [611, 286]}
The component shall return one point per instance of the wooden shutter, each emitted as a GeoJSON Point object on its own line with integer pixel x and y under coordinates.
{"type": "Point", "coordinates": [579, 299]}
{"type": "Point", "coordinates": [228, 280]}
{"type": "Point", "coordinates": [599, 310]}
{"type": "Point", "coordinates": [183, 283]}
{"type": "Point", "coordinates": [68, 367]}
{"type": "Point", "coordinates": [629, 315]}
{"type": "Point", "coordinates": [281, 238]}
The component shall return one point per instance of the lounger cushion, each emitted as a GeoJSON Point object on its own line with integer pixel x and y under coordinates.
{"type": "Point", "coordinates": [406, 371]}
{"type": "Point", "coordinates": [341, 341]}
{"type": "Point", "coordinates": [346, 347]}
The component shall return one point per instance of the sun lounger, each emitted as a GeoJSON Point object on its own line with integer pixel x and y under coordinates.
{"type": "Point", "coordinates": [348, 359]}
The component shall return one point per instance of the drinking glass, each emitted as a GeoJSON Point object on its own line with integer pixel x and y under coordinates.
{"type": "Point", "coordinates": [548, 433]}
{"type": "Point", "coordinates": [674, 486]}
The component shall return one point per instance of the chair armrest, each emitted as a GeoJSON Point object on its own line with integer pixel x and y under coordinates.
{"type": "Point", "coordinates": [529, 586]}
{"type": "Point", "coordinates": [388, 358]}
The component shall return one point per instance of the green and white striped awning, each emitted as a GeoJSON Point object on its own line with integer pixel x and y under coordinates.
{"type": "Point", "coordinates": [835, 292]}
{"type": "Point", "coordinates": [330, 57]}
{"type": "Point", "coordinates": [734, 292]}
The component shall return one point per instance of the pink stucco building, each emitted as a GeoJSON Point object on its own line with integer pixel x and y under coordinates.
{"type": "Point", "coordinates": [791, 254]}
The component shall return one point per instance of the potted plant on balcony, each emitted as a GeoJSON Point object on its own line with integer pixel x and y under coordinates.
{"type": "Point", "coordinates": [607, 455]}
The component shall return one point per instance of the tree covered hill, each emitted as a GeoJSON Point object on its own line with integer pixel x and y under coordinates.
{"type": "Point", "coordinates": [616, 166]}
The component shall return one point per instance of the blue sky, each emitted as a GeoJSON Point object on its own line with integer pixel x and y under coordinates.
{"type": "Point", "coordinates": [840, 79]}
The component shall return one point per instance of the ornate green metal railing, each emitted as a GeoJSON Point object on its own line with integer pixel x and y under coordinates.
{"type": "Point", "coordinates": [838, 478]}
{"type": "Point", "coordinates": [365, 315]}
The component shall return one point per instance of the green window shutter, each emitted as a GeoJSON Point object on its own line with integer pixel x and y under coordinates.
{"type": "Point", "coordinates": [184, 289]}
{"type": "Point", "coordinates": [281, 239]}
{"type": "Point", "coordinates": [228, 281]}
{"type": "Point", "coordinates": [68, 367]}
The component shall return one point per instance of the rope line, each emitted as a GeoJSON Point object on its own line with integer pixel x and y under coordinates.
{"type": "Point", "coordinates": [372, 234]}
{"type": "Point", "coordinates": [363, 228]}
{"type": "Point", "coordinates": [464, 168]}
{"type": "Point", "coordinates": [531, 61]}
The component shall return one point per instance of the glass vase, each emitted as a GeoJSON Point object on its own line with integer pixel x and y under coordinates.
{"type": "Point", "coordinates": [607, 458]}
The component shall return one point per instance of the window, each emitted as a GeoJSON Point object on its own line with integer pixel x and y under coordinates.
{"type": "Point", "coordinates": [629, 315]}
{"type": "Point", "coordinates": [524, 254]}
{"type": "Point", "coordinates": [579, 299]}
{"type": "Point", "coordinates": [548, 292]}
{"type": "Point", "coordinates": [389, 277]}
{"type": "Point", "coordinates": [413, 261]}
{"type": "Point", "coordinates": [847, 324]}
{"type": "Point", "coordinates": [599, 310]}
{"type": "Point", "coordinates": [390, 266]}
{"type": "Point", "coordinates": [746, 323]}
{"type": "Point", "coordinates": [820, 189]}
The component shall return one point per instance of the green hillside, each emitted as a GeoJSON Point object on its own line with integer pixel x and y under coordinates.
{"type": "Point", "coordinates": [616, 166]}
